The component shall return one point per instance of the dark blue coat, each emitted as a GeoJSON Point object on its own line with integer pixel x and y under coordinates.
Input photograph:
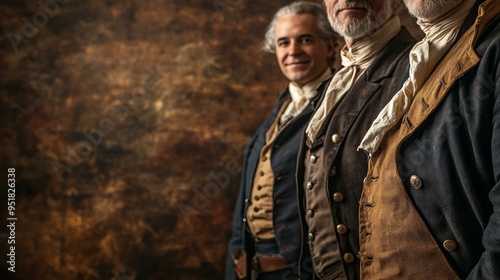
{"type": "Point", "coordinates": [286, 219]}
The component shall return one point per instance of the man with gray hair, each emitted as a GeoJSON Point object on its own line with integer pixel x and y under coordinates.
{"type": "Point", "coordinates": [434, 174]}
{"type": "Point", "coordinates": [330, 171]}
{"type": "Point", "coordinates": [266, 240]}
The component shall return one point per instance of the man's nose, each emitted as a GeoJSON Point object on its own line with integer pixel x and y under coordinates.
{"type": "Point", "coordinates": [295, 48]}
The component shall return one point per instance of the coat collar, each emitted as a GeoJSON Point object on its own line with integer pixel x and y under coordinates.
{"type": "Point", "coordinates": [383, 67]}
{"type": "Point", "coordinates": [460, 59]}
{"type": "Point", "coordinates": [320, 88]}
{"type": "Point", "coordinates": [379, 69]}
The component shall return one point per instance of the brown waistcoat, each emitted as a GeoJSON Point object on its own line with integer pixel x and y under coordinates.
{"type": "Point", "coordinates": [322, 240]}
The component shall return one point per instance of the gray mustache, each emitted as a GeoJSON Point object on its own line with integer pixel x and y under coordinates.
{"type": "Point", "coordinates": [352, 4]}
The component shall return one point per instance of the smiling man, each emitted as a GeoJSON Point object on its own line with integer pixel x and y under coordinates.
{"type": "Point", "coordinates": [330, 170]}
{"type": "Point", "coordinates": [300, 51]}
{"type": "Point", "coordinates": [265, 241]}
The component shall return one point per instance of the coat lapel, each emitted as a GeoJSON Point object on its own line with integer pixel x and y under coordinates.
{"type": "Point", "coordinates": [368, 85]}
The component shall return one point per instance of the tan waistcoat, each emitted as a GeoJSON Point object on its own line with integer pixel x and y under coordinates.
{"type": "Point", "coordinates": [260, 212]}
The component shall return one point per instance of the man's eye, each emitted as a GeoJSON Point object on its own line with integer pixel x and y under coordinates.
{"type": "Point", "coordinates": [307, 40]}
{"type": "Point", "coordinates": [282, 44]}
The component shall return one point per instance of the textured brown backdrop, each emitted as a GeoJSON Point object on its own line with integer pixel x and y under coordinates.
{"type": "Point", "coordinates": [125, 122]}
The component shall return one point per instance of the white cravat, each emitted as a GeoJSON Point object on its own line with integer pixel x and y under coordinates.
{"type": "Point", "coordinates": [354, 62]}
{"type": "Point", "coordinates": [424, 56]}
{"type": "Point", "coordinates": [301, 97]}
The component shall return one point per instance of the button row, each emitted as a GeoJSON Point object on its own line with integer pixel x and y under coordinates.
{"type": "Point", "coordinates": [415, 181]}
{"type": "Point", "coordinates": [341, 228]}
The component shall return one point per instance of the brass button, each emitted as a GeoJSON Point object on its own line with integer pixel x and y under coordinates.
{"type": "Point", "coordinates": [450, 245]}
{"type": "Point", "coordinates": [341, 229]}
{"type": "Point", "coordinates": [256, 198]}
{"type": "Point", "coordinates": [415, 182]}
{"type": "Point", "coordinates": [310, 213]}
{"type": "Point", "coordinates": [244, 220]}
{"type": "Point", "coordinates": [333, 171]}
{"type": "Point", "coordinates": [259, 187]}
{"type": "Point", "coordinates": [256, 209]}
{"type": "Point", "coordinates": [314, 159]}
{"type": "Point", "coordinates": [310, 236]}
{"type": "Point", "coordinates": [246, 200]}
{"type": "Point", "coordinates": [261, 173]}
{"type": "Point", "coordinates": [348, 257]}
{"type": "Point", "coordinates": [309, 185]}
{"type": "Point", "coordinates": [336, 138]}
{"type": "Point", "coordinates": [338, 197]}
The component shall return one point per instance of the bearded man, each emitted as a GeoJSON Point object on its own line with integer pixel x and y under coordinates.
{"type": "Point", "coordinates": [330, 171]}
{"type": "Point", "coordinates": [434, 176]}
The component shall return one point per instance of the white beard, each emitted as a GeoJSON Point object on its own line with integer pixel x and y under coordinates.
{"type": "Point", "coordinates": [358, 28]}
{"type": "Point", "coordinates": [431, 9]}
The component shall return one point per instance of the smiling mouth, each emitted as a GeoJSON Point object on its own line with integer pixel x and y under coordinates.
{"type": "Point", "coordinates": [296, 63]}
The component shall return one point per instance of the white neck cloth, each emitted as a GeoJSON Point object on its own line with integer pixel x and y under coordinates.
{"type": "Point", "coordinates": [301, 97]}
{"type": "Point", "coordinates": [424, 56]}
{"type": "Point", "coordinates": [354, 62]}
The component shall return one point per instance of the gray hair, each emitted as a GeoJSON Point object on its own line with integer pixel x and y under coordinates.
{"type": "Point", "coordinates": [297, 8]}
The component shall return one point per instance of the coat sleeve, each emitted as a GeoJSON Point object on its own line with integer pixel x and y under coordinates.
{"type": "Point", "coordinates": [236, 242]}
{"type": "Point", "coordinates": [488, 266]}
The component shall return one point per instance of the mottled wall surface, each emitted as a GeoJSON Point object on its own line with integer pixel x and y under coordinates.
{"type": "Point", "coordinates": [125, 123]}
